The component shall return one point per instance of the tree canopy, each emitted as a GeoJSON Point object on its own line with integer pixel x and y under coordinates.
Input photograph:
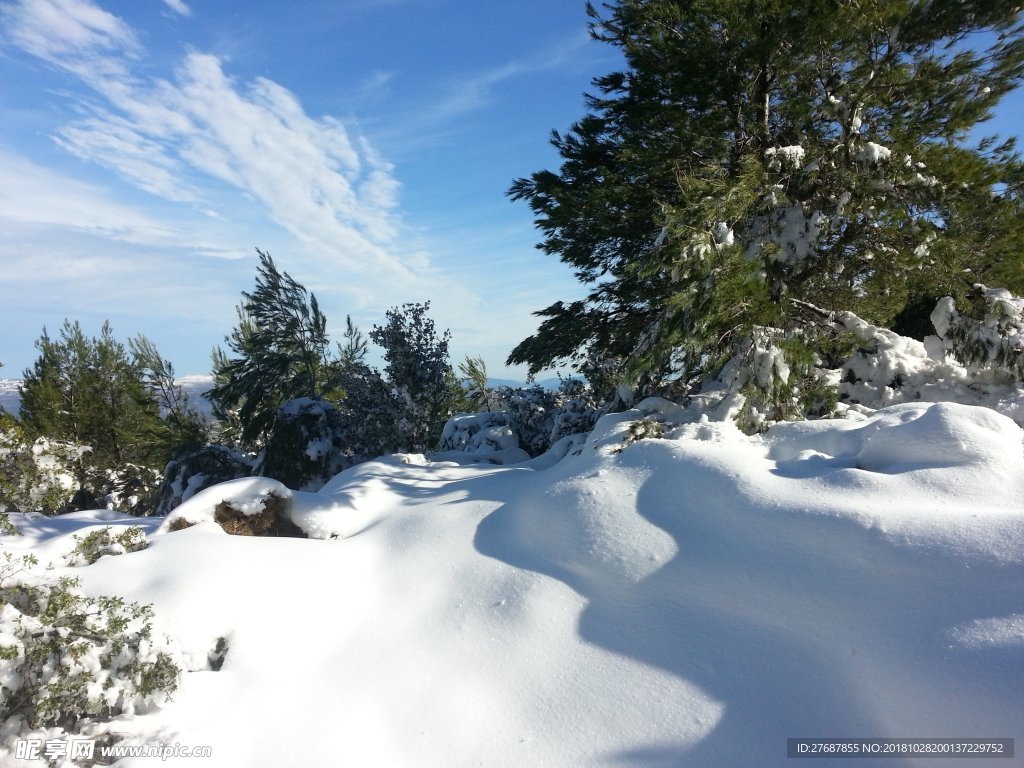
{"type": "Point", "coordinates": [758, 160]}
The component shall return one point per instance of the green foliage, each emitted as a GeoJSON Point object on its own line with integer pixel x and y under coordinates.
{"type": "Point", "coordinates": [419, 371]}
{"type": "Point", "coordinates": [474, 377]}
{"type": "Point", "coordinates": [88, 392]}
{"type": "Point", "coordinates": [353, 351]}
{"type": "Point", "coordinates": [540, 417]}
{"type": "Point", "coordinates": [91, 547]}
{"type": "Point", "coordinates": [755, 155]}
{"type": "Point", "coordinates": [65, 656]}
{"type": "Point", "coordinates": [35, 474]}
{"type": "Point", "coordinates": [988, 335]}
{"type": "Point", "coordinates": [642, 429]}
{"type": "Point", "coordinates": [182, 427]}
{"type": "Point", "coordinates": [7, 528]}
{"type": "Point", "coordinates": [280, 349]}
{"type": "Point", "coordinates": [282, 353]}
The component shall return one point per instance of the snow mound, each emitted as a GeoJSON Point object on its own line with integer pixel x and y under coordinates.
{"type": "Point", "coordinates": [247, 496]}
{"type": "Point", "coordinates": [904, 437]}
{"type": "Point", "coordinates": [667, 592]}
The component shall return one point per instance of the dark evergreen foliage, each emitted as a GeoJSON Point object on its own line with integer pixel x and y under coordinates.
{"type": "Point", "coordinates": [89, 392]}
{"type": "Point", "coordinates": [419, 373]}
{"type": "Point", "coordinates": [757, 154]}
{"type": "Point", "coordinates": [280, 349]}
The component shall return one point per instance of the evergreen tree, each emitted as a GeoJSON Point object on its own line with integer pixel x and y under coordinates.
{"type": "Point", "coordinates": [474, 378]}
{"type": "Point", "coordinates": [419, 372]}
{"type": "Point", "coordinates": [88, 392]}
{"type": "Point", "coordinates": [280, 351]}
{"type": "Point", "coordinates": [758, 160]}
{"type": "Point", "coordinates": [183, 427]}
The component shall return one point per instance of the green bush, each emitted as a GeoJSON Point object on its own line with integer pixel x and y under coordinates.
{"type": "Point", "coordinates": [65, 656]}
{"type": "Point", "coordinates": [95, 545]}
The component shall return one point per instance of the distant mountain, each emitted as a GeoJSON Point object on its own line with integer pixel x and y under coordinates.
{"type": "Point", "coordinates": [196, 385]}
{"type": "Point", "coordinates": [554, 383]}
{"type": "Point", "coordinates": [10, 401]}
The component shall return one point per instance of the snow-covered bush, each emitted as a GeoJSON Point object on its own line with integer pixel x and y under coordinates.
{"type": "Point", "coordinates": [370, 412]}
{"type": "Point", "coordinates": [537, 417]}
{"type": "Point", "coordinates": [646, 428]}
{"type": "Point", "coordinates": [307, 445]}
{"type": "Point", "coordinates": [483, 436]}
{"type": "Point", "coordinates": [65, 656]}
{"type": "Point", "coordinates": [35, 475]}
{"type": "Point", "coordinates": [128, 488]}
{"type": "Point", "coordinates": [993, 344]}
{"type": "Point", "coordinates": [196, 470]}
{"type": "Point", "coordinates": [91, 547]}
{"type": "Point", "coordinates": [860, 366]}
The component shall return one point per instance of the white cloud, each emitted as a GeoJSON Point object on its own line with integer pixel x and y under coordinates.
{"type": "Point", "coordinates": [178, 7]}
{"type": "Point", "coordinates": [330, 190]}
{"type": "Point", "coordinates": [34, 196]}
{"type": "Point", "coordinates": [74, 35]}
{"type": "Point", "coordinates": [117, 144]}
{"type": "Point", "coordinates": [475, 91]}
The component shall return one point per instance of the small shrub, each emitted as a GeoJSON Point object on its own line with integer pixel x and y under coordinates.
{"type": "Point", "coordinates": [95, 545]}
{"type": "Point", "coordinates": [272, 521]}
{"type": "Point", "coordinates": [36, 475]}
{"type": "Point", "coordinates": [7, 528]}
{"type": "Point", "coordinates": [66, 656]}
{"type": "Point", "coordinates": [643, 429]}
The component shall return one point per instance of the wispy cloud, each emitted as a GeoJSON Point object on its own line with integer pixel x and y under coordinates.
{"type": "Point", "coordinates": [477, 90]}
{"type": "Point", "coordinates": [73, 35]}
{"type": "Point", "coordinates": [329, 189]}
{"type": "Point", "coordinates": [178, 7]}
{"type": "Point", "coordinates": [34, 196]}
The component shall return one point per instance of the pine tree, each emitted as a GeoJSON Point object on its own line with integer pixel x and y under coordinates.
{"type": "Point", "coordinates": [183, 427]}
{"type": "Point", "coordinates": [89, 392]}
{"type": "Point", "coordinates": [281, 352]}
{"type": "Point", "coordinates": [759, 160]}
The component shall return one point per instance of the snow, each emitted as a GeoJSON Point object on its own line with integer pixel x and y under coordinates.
{"type": "Point", "coordinates": [688, 600]}
{"type": "Point", "coordinates": [872, 153]}
{"type": "Point", "coordinates": [780, 158]}
{"type": "Point", "coordinates": [897, 369]}
{"type": "Point", "coordinates": [794, 231]}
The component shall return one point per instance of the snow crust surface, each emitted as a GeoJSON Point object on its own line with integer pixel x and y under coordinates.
{"type": "Point", "coordinates": [688, 600]}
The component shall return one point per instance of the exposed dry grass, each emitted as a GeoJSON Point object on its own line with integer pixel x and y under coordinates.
{"type": "Point", "coordinates": [272, 521]}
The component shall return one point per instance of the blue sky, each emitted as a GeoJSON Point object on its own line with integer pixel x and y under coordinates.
{"type": "Point", "coordinates": [147, 147]}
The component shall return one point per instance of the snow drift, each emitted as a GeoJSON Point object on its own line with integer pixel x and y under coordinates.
{"type": "Point", "coordinates": [688, 600]}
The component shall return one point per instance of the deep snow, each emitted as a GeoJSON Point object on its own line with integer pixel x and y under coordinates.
{"type": "Point", "coordinates": [691, 600]}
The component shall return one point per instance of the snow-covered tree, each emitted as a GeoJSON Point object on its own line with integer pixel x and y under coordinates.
{"type": "Point", "coordinates": [759, 160]}
{"type": "Point", "coordinates": [91, 394]}
{"type": "Point", "coordinates": [419, 372]}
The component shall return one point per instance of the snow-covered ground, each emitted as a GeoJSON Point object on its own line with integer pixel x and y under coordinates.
{"type": "Point", "coordinates": [689, 600]}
